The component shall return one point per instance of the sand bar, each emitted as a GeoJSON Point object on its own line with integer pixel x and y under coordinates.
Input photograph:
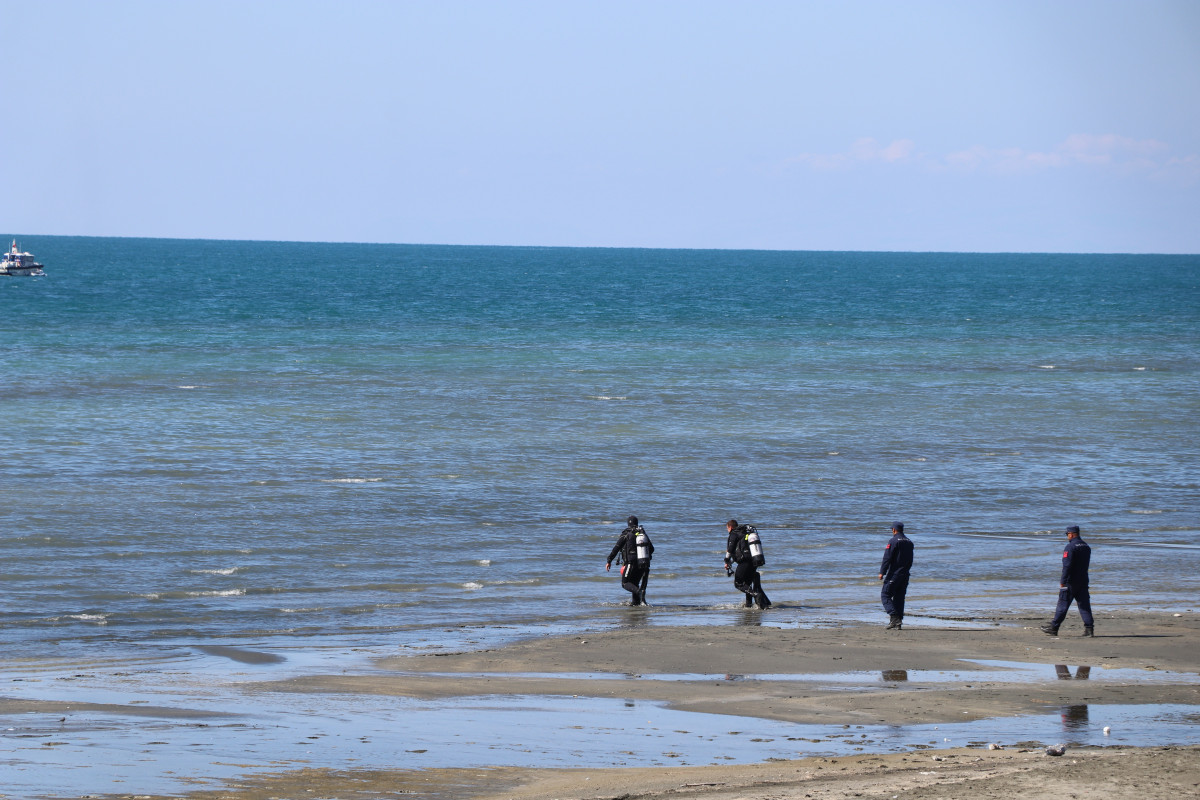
{"type": "Point", "coordinates": [988, 669]}
{"type": "Point", "coordinates": [726, 663]}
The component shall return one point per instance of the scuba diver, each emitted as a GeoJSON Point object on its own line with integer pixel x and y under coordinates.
{"type": "Point", "coordinates": [744, 548]}
{"type": "Point", "coordinates": [635, 549]}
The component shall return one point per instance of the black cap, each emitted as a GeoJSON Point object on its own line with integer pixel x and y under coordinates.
{"type": "Point", "coordinates": [898, 527]}
{"type": "Point", "coordinates": [631, 521]}
{"type": "Point", "coordinates": [1073, 529]}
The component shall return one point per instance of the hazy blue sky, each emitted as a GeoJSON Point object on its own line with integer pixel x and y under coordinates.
{"type": "Point", "coordinates": [970, 126]}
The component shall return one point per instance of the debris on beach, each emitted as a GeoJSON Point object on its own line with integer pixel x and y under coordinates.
{"type": "Point", "coordinates": [994, 746]}
{"type": "Point", "coordinates": [1056, 750]}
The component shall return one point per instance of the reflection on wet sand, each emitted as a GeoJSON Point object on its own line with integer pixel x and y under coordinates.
{"type": "Point", "coordinates": [1064, 673]}
{"type": "Point", "coordinates": [636, 618]}
{"type": "Point", "coordinates": [1075, 719]}
{"type": "Point", "coordinates": [895, 675]}
{"type": "Point", "coordinates": [751, 618]}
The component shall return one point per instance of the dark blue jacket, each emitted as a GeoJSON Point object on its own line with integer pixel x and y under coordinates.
{"type": "Point", "coordinates": [1077, 555]}
{"type": "Point", "coordinates": [897, 558]}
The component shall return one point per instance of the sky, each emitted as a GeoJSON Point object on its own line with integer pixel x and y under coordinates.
{"type": "Point", "coordinates": [970, 126]}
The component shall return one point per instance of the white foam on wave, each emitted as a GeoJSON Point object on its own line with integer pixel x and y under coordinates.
{"type": "Point", "coordinates": [1145, 511]}
{"type": "Point", "coordinates": [351, 480]}
{"type": "Point", "coordinates": [1045, 366]}
{"type": "Point", "coordinates": [484, 562]}
{"type": "Point", "coordinates": [607, 397]}
{"type": "Point", "coordinates": [226, 571]}
{"type": "Point", "coordinates": [218, 593]}
{"type": "Point", "coordinates": [472, 585]}
{"type": "Point", "coordinates": [1139, 369]}
{"type": "Point", "coordinates": [99, 619]}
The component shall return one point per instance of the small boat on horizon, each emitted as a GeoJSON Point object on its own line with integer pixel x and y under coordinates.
{"type": "Point", "coordinates": [17, 263]}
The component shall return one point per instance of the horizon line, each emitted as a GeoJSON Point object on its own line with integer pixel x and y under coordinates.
{"type": "Point", "coordinates": [610, 247]}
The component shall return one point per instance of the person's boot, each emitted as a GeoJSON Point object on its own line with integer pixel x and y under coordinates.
{"type": "Point", "coordinates": [749, 600]}
{"type": "Point", "coordinates": [1087, 631]}
{"type": "Point", "coordinates": [763, 602]}
{"type": "Point", "coordinates": [894, 622]}
{"type": "Point", "coordinates": [1050, 628]}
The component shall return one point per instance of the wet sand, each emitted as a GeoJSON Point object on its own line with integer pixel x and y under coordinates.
{"type": "Point", "coordinates": [1167, 773]}
{"type": "Point", "coordinates": [785, 674]}
{"type": "Point", "coordinates": [725, 665]}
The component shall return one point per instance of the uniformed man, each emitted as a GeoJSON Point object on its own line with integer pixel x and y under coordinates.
{"type": "Point", "coordinates": [635, 549]}
{"type": "Point", "coordinates": [1073, 584]}
{"type": "Point", "coordinates": [897, 561]}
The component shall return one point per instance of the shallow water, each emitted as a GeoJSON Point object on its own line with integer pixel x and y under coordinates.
{"type": "Point", "coordinates": [436, 447]}
{"type": "Point", "coordinates": [992, 672]}
{"type": "Point", "coordinates": [436, 434]}
{"type": "Point", "coordinates": [182, 737]}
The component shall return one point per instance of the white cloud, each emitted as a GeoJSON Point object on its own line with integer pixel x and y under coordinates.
{"type": "Point", "coordinates": [1119, 154]}
{"type": "Point", "coordinates": [1086, 147]}
{"type": "Point", "coordinates": [863, 151]}
{"type": "Point", "coordinates": [1187, 167]}
{"type": "Point", "coordinates": [1081, 149]}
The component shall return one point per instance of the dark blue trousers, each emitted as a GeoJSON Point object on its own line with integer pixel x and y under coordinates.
{"type": "Point", "coordinates": [1083, 602]}
{"type": "Point", "coordinates": [893, 594]}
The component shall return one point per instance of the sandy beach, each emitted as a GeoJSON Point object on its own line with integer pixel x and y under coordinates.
{"type": "Point", "coordinates": [735, 655]}
{"type": "Point", "coordinates": [1114, 774]}
{"type": "Point", "coordinates": [944, 674]}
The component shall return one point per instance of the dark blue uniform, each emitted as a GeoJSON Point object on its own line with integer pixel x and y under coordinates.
{"type": "Point", "coordinates": [897, 561]}
{"type": "Point", "coordinates": [1073, 584]}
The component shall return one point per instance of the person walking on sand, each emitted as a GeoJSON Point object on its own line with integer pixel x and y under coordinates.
{"type": "Point", "coordinates": [635, 549]}
{"type": "Point", "coordinates": [1073, 584]}
{"type": "Point", "coordinates": [897, 561]}
{"type": "Point", "coordinates": [743, 547]}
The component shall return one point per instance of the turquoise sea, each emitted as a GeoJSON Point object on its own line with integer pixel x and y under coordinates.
{"type": "Point", "coordinates": [376, 445]}
{"type": "Point", "coordinates": [229, 463]}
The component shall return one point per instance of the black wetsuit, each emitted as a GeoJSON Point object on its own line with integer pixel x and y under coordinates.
{"type": "Point", "coordinates": [897, 561]}
{"type": "Point", "coordinates": [745, 578]}
{"type": "Point", "coordinates": [634, 577]}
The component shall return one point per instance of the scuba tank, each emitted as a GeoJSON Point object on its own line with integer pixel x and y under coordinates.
{"type": "Point", "coordinates": [754, 545]}
{"type": "Point", "coordinates": [641, 547]}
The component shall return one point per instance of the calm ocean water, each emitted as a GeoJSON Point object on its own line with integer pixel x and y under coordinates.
{"type": "Point", "coordinates": [367, 444]}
